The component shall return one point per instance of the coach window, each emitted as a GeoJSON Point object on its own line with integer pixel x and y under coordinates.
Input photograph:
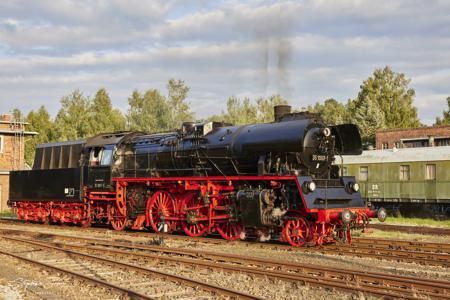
{"type": "Point", "coordinates": [405, 174]}
{"type": "Point", "coordinates": [363, 173]}
{"type": "Point", "coordinates": [2, 138]}
{"type": "Point", "coordinates": [430, 172]}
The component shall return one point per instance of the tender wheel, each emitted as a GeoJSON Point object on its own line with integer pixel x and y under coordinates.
{"type": "Point", "coordinates": [228, 230]}
{"type": "Point", "coordinates": [296, 232]}
{"type": "Point", "coordinates": [195, 219]}
{"type": "Point", "coordinates": [159, 207]}
{"type": "Point", "coordinates": [118, 221]}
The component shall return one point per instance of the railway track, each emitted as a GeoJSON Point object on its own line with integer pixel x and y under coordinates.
{"type": "Point", "coordinates": [423, 253]}
{"type": "Point", "coordinates": [411, 229]}
{"type": "Point", "coordinates": [379, 284]}
{"type": "Point", "coordinates": [133, 281]}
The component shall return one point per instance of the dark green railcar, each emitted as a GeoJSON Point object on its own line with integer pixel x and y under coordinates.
{"type": "Point", "coordinates": [412, 180]}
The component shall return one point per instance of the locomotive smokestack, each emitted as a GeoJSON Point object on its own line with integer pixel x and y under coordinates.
{"type": "Point", "coordinates": [279, 111]}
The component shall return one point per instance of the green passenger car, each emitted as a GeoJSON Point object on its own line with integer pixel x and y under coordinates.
{"type": "Point", "coordinates": [408, 179]}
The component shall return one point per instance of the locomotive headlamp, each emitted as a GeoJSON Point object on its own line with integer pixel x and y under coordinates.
{"type": "Point", "coordinates": [346, 216]}
{"type": "Point", "coordinates": [326, 131]}
{"type": "Point", "coordinates": [381, 214]}
{"type": "Point", "coordinates": [354, 186]}
{"type": "Point", "coordinates": [311, 186]}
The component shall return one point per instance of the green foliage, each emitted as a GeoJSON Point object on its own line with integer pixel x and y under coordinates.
{"type": "Point", "coordinates": [240, 112]}
{"type": "Point", "coordinates": [154, 112]}
{"type": "Point", "coordinates": [332, 111]}
{"type": "Point", "coordinates": [104, 117]}
{"type": "Point", "coordinates": [264, 108]}
{"type": "Point", "coordinates": [39, 121]}
{"type": "Point", "coordinates": [73, 120]}
{"type": "Point", "coordinates": [445, 115]}
{"type": "Point", "coordinates": [17, 114]}
{"type": "Point", "coordinates": [369, 118]}
{"type": "Point", "coordinates": [389, 90]}
{"type": "Point", "coordinates": [179, 110]}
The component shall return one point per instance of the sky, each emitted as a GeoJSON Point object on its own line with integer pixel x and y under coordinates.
{"type": "Point", "coordinates": [306, 51]}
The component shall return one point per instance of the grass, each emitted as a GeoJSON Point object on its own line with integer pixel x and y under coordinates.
{"type": "Point", "coordinates": [7, 214]}
{"type": "Point", "coordinates": [397, 235]}
{"type": "Point", "coordinates": [415, 222]}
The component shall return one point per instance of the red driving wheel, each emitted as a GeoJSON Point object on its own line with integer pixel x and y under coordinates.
{"type": "Point", "coordinates": [229, 230]}
{"type": "Point", "coordinates": [195, 219]}
{"type": "Point", "coordinates": [160, 206]}
{"type": "Point", "coordinates": [296, 231]}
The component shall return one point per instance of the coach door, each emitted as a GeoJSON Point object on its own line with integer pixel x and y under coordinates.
{"type": "Point", "coordinates": [100, 167]}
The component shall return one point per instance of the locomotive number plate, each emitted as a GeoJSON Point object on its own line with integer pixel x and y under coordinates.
{"type": "Point", "coordinates": [316, 157]}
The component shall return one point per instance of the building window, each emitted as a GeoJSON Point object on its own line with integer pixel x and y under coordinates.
{"type": "Point", "coordinates": [363, 173]}
{"type": "Point", "coordinates": [2, 140]}
{"type": "Point", "coordinates": [397, 145]}
{"type": "Point", "coordinates": [430, 172]}
{"type": "Point", "coordinates": [442, 142]}
{"type": "Point", "coordinates": [405, 174]}
{"type": "Point", "coordinates": [385, 146]}
{"type": "Point", "coordinates": [344, 171]}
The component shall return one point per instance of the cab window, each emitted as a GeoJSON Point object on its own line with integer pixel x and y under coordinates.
{"type": "Point", "coordinates": [95, 156]}
{"type": "Point", "coordinates": [106, 157]}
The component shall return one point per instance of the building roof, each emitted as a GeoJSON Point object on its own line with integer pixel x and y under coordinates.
{"type": "Point", "coordinates": [413, 129]}
{"type": "Point", "coordinates": [398, 155]}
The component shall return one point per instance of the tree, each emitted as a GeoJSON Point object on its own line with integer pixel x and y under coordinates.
{"type": "Point", "coordinates": [445, 115]}
{"type": "Point", "coordinates": [331, 111]}
{"type": "Point", "coordinates": [148, 113]}
{"type": "Point", "coordinates": [178, 109]}
{"type": "Point", "coordinates": [369, 118]}
{"type": "Point", "coordinates": [104, 117]}
{"type": "Point", "coordinates": [265, 113]}
{"type": "Point", "coordinates": [40, 122]}
{"type": "Point", "coordinates": [240, 112]}
{"type": "Point", "coordinates": [74, 120]}
{"type": "Point", "coordinates": [394, 98]}
{"type": "Point", "coordinates": [17, 114]}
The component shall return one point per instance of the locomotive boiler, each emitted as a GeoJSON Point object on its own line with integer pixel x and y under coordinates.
{"type": "Point", "coordinates": [272, 180]}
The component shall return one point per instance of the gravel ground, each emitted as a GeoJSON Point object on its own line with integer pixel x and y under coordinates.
{"type": "Point", "coordinates": [20, 280]}
{"type": "Point", "coordinates": [257, 286]}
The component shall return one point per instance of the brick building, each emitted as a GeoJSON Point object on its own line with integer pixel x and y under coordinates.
{"type": "Point", "coordinates": [12, 152]}
{"type": "Point", "coordinates": [413, 137]}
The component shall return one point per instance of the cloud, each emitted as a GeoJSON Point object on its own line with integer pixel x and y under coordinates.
{"type": "Point", "coordinates": [306, 51]}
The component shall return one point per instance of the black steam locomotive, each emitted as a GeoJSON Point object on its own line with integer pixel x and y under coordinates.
{"type": "Point", "coordinates": [270, 180]}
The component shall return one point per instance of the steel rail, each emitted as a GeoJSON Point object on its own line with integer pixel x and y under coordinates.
{"type": "Point", "coordinates": [361, 248]}
{"type": "Point", "coordinates": [174, 278]}
{"type": "Point", "coordinates": [127, 292]}
{"type": "Point", "coordinates": [327, 276]}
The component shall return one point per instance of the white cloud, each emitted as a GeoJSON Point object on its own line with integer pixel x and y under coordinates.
{"type": "Point", "coordinates": [307, 51]}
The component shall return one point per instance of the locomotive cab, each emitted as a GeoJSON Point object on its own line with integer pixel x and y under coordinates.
{"type": "Point", "coordinates": [97, 159]}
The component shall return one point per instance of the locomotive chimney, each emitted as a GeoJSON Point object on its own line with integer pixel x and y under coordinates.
{"type": "Point", "coordinates": [280, 111]}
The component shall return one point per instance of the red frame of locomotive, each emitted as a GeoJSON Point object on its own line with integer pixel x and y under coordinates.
{"type": "Point", "coordinates": [176, 205]}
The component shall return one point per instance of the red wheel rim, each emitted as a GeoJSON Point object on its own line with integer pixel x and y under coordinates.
{"type": "Point", "coordinates": [228, 230]}
{"type": "Point", "coordinates": [296, 232]}
{"type": "Point", "coordinates": [118, 221]}
{"type": "Point", "coordinates": [193, 210]}
{"type": "Point", "coordinates": [159, 207]}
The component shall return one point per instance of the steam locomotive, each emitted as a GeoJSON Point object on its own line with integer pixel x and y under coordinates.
{"type": "Point", "coordinates": [273, 181]}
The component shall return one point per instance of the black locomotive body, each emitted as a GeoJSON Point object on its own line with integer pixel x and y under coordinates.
{"type": "Point", "coordinates": [274, 179]}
